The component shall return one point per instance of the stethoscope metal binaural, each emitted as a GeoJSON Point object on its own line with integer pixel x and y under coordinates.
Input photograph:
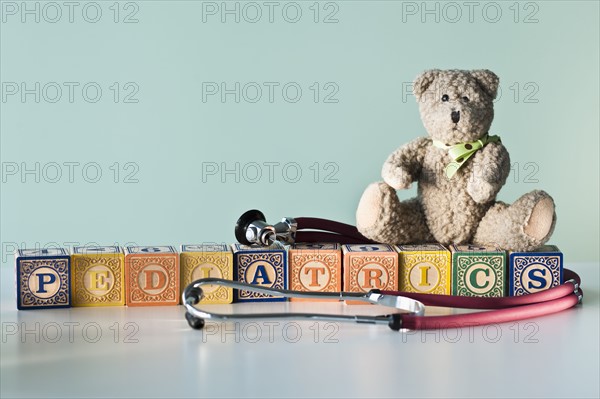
{"type": "Point", "coordinates": [252, 229]}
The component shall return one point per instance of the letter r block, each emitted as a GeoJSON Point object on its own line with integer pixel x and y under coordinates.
{"type": "Point", "coordinates": [478, 271]}
{"type": "Point", "coordinates": [369, 266]}
{"type": "Point", "coordinates": [43, 278]}
{"type": "Point", "coordinates": [152, 276]}
{"type": "Point", "coordinates": [530, 272]}
{"type": "Point", "coordinates": [207, 260]}
{"type": "Point", "coordinates": [98, 276]}
{"type": "Point", "coordinates": [315, 267]}
{"type": "Point", "coordinates": [424, 268]}
{"type": "Point", "coordinates": [263, 266]}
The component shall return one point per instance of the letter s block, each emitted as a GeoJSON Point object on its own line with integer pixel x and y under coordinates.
{"type": "Point", "coordinates": [425, 269]}
{"type": "Point", "coordinates": [478, 271]}
{"type": "Point", "coordinates": [152, 276]}
{"type": "Point", "coordinates": [203, 261]}
{"type": "Point", "coordinates": [530, 272]}
{"type": "Point", "coordinates": [315, 267]}
{"type": "Point", "coordinates": [263, 266]}
{"type": "Point", "coordinates": [43, 278]}
{"type": "Point", "coordinates": [369, 266]}
{"type": "Point", "coordinates": [98, 276]}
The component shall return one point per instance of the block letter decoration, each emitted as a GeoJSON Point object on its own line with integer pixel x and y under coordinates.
{"type": "Point", "coordinates": [208, 260]}
{"type": "Point", "coordinates": [264, 266]}
{"type": "Point", "coordinates": [152, 276]}
{"type": "Point", "coordinates": [315, 267]}
{"type": "Point", "coordinates": [424, 268]}
{"type": "Point", "coordinates": [478, 271]}
{"type": "Point", "coordinates": [369, 266]}
{"type": "Point", "coordinates": [535, 271]}
{"type": "Point", "coordinates": [98, 276]}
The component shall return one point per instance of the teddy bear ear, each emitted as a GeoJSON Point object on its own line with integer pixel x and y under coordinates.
{"type": "Point", "coordinates": [423, 81]}
{"type": "Point", "coordinates": [487, 80]}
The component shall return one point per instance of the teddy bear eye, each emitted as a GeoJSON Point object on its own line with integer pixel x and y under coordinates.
{"type": "Point", "coordinates": [445, 98]}
{"type": "Point", "coordinates": [465, 99]}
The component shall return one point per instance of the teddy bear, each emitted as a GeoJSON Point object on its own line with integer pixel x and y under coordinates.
{"type": "Point", "coordinates": [459, 170]}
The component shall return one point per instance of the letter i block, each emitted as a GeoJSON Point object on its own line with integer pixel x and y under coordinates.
{"type": "Point", "coordinates": [315, 267]}
{"type": "Point", "coordinates": [203, 261]}
{"type": "Point", "coordinates": [425, 269]}
{"type": "Point", "coordinates": [98, 276]}
{"type": "Point", "coordinates": [367, 267]}
{"type": "Point", "coordinates": [43, 278]}
{"type": "Point", "coordinates": [535, 271]}
{"type": "Point", "coordinates": [264, 266]}
{"type": "Point", "coordinates": [152, 276]}
{"type": "Point", "coordinates": [478, 271]}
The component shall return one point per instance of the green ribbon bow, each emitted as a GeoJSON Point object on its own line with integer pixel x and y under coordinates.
{"type": "Point", "coordinates": [461, 152]}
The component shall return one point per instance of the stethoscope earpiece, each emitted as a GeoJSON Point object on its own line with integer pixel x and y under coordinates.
{"type": "Point", "coordinates": [244, 222]}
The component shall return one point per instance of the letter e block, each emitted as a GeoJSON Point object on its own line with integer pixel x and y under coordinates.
{"type": "Point", "coordinates": [425, 268]}
{"type": "Point", "coordinates": [98, 277]}
{"type": "Point", "coordinates": [43, 278]}
{"type": "Point", "coordinates": [478, 271]}
{"type": "Point", "coordinates": [263, 266]}
{"type": "Point", "coordinates": [152, 276]}
{"type": "Point", "coordinates": [369, 266]}
{"type": "Point", "coordinates": [204, 261]}
{"type": "Point", "coordinates": [315, 267]}
{"type": "Point", "coordinates": [535, 271]}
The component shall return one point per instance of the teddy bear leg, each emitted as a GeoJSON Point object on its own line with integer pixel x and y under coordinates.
{"type": "Point", "coordinates": [523, 226]}
{"type": "Point", "coordinates": [382, 217]}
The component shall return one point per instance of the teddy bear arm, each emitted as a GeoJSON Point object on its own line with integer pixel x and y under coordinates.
{"type": "Point", "coordinates": [490, 171]}
{"type": "Point", "coordinates": [404, 165]}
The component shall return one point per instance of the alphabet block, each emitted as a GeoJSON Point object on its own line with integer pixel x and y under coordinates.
{"type": "Point", "coordinates": [315, 267]}
{"type": "Point", "coordinates": [152, 276]}
{"type": "Point", "coordinates": [98, 276]}
{"type": "Point", "coordinates": [535, 271]}
{"type": "Point", "coordinates": [425, 268]}
{"type": "Point", "coordinates": [43, 278]}
{"type": "Point", "coordinates": [478, 271]}
{"type": "Point", "coordinates": [266, 267]}
{"type": "Point", "coordinates": [207, 260]}
{"type": "Point", "coordinates": [369, 266]}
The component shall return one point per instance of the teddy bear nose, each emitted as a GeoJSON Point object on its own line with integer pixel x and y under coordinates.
{"type": "Point", "coordinates": [455, 115]}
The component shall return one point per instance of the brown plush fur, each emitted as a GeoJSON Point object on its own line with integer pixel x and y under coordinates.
{"type": "Point", "coordinates": [464, 208]}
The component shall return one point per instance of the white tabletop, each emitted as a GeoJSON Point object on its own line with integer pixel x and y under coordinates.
{"type": "Point", "coordinates": [151, 352]}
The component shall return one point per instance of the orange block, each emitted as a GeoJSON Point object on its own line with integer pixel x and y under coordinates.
{"type": "Point", "coordinates": [152, 276]}
{"type": "Point", "coordinates": [315, 267]}
{"type": "Point", "coordinates": [370, 266]}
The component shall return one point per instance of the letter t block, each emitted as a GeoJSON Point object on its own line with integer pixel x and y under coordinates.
{"type": "Point", "coordinates": [152, 276]}
{"type": "Point", "coordinates": [315, 267]}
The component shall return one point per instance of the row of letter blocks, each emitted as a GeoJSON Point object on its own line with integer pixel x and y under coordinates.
{"type": "Point", "coordinates": [146, 276]}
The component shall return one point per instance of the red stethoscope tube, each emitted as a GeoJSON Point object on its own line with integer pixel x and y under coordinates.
{"type": "Point", "coordinates": [332, 231]}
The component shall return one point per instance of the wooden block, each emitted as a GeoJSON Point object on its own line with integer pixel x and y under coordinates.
{"type": "Point", "coordinates": [152, 276]}
{"type": "Point", "coordinates": [478, 271]}
{"type": "Point", "coordinates": [535, 271]}
{"type": "Point", "coordinates": [207, 260]}
{"type": "Point", "coordinates": [43, 278]}
{"type": "Point", "coordinates": [98, 277]}
{"type": "Point", "coordinates": [425, 268]}
{"type": "Point", "coordinates": [264, 266]}
{"type": "Point", "coordinates": [315, 267]}
{"type": "Point", "coordinates": [370, 266]}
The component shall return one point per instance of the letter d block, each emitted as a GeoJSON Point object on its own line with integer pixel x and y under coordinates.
{"type": "Point", "coordinates": [263, 266]}
{"type": "Point", "coordinates": [315, 267]}
{"type": "Point", "coordinates": [152, 276]}
{"type": "Point", "coordinates": [535, 271]}
{"type": "Point", "coordinates": [203, 261]}
{"type": "Point", "coordinates": [425, 269]}
{"type": "Point", "coordinates": [370, 266]}
{"type": "Point", "coordinates": [43, 278]}
{"type": "Point", "coordinates": [98, 276]}
{"type": "Point", "coordinates": [478, 271]}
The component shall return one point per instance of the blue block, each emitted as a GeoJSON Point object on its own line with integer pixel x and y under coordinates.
{"type": "Point", "coordinates": [267, 267]}
{"type": "Point", "coordinates": [534, 271]}
{"type": "Point", "coordinates": [43, 278]}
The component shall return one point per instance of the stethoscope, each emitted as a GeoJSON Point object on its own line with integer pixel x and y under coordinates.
{"type": "Point", "coordinates": [252, 229]}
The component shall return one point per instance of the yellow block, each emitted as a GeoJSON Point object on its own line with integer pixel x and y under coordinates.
{"type": "Point", "coordinates": [97, 276]}
{"type": "Point", "coordinates": [208, 260]}
{"type": "Point", "coordinates": [425, 268]}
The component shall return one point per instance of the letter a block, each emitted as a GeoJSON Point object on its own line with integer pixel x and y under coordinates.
{"type": "Point", "coordinates": [152, 276]}
{"type": "Point", "coordinates": [370, 266]}
{"type": "Point", "coordinates": [478, 271]}
{"type": "Point", "coordinates": [425, 269]}
{"type": "Point", "coordinates": [43, 278]}
{"type": "Point", "coordinates": [535, 271]}
{"type": "Point", "coordinates": [315, 267]}
{"type": "Point", "coordinates": [203, 261]}
{"type": "Point", "coordinates": [263, 266]}
{"type": "Point", "coordinates": [98, 276]}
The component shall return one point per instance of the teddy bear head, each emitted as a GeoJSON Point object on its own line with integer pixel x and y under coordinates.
{"type": "Point", "coordinates": [456, 106]}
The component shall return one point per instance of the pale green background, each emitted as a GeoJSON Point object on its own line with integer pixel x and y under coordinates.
{"type": "Point", "coordinates": [370, 53]}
